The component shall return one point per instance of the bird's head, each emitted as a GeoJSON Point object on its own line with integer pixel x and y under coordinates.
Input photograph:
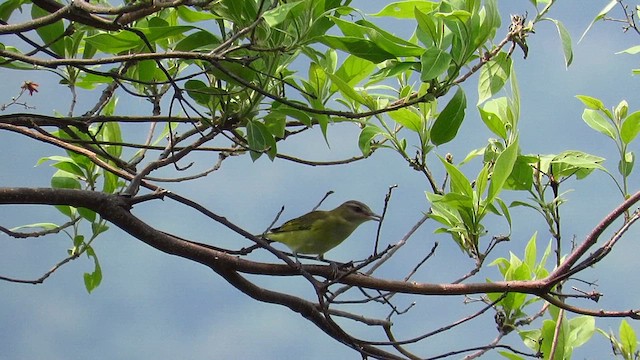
{"type": "Point", "coordinates": [356, 212]}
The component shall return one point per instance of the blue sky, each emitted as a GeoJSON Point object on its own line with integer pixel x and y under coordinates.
{"type": "Point", "coordinates": [151, 305]}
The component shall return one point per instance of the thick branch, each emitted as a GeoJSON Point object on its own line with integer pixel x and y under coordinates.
{"type": "Point", "coordinates": [115, 209]}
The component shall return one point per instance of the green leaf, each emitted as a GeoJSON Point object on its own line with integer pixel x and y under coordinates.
{"type": "Point", "coordinates": [7, 7]}
{"type": "Point", "coordinates": [434, 62]}
{"type": "Point", "coordinates": [110, 184]}
{"type": "Point", "coordinates": [457, 201]}
{"type": "Point", "coordinates": [591, 102]}
{"type": "Point", "coordinates": [408, 118]}
{"type": "Point", "coordinates": [98, 228]}
{"type": "Point", "coordinates": [52, 34]}
{"type": "Point", "coordinates": [515, 94]}
{"type": "Point", "coordinates": [276, 16]}
{"type": "Point", "coordinates": [362, 48]}
{"type": "Point", "coordinates": [157, 33]}
{"type": "Point", "coordinates": [632, 50]}
{"type": "Point", "coordinates": [449, 120]}
{"type": "Point", "coordinates": [366, 136]}
{"type": "Point", "coordinates": [114, 43]}
{"type": "Point", "coordinates": [530, 252]}
{"type": "Point", "coordinates": [64, 163]}
{"type": "Point", "coordinates": [493, 76]}
{"type": "Point", "coordinates": [355, 69]}
{"type": "Point", "coordinates": [485, 22]}
{"type": "Point", "coordinates": [621, 110]}
{"type": "Point", "coordinates": [43, 226]}
{"type": "Point", "coordinates": [573, 162]}
{"type": "Point", "coordinates": [87, 214]}
{"type": "Point", "coordinates": [456, 15]}
{"type": "Point", "coordinates": [600, 16]}
{"type": "Point", "coordinates": [505, 212]}
{"type": "Point", "coordinates": [597, 122]}
{"type": "Point", "coordinates": [347, 90]}
{"type": "Point", "coordinates": [386, 41]}
{"type": "Point", "coordinates": [292, 112]}
{"type": "Point", "coordinates": [482, 180]}
{"type": "Point", "coordinates": [93, 280]}
{"type": "Point", "coordinates": [630, 127]}
{"type": "Point", "coordinates": [405, 9]}
{"type": "Point", "coordinates": [276, 122]}
{"type": "Point", "coordinates": [78, 240]}
{"type": "Point", "coordinates": [392, 68]}
{"type": "Point", "coordinates": [472, 155]}
{"type": "Point", "coordinates": [199, 40]}
{"type": "Point", "coordinates": [260, 140]}
{"type": "Point", "coordinates": [111, 133]}
{"type": "Point", "coordinates": [502, 170]}
{"type": "Point", "coordinates": [548, 330]}
{"type": "Point", "coordinates": [628, 339]}
{"type": "Point", "coordinates": [64, 180]}
{"type": "Point", "coordinates": [201, 93]}
{"type": "Point", "coordinates": [428, 32]}
{"type": "Point", "coordinates": [521, 177]}
{"type": "Point", "coordinates": [581, 330]}
{"type": "Point", "coordinates": [493, 113]}
{"type": "Point", "coordinates": [187, 14]}
{"type": "Point", "coordinates": [531, 338]}
{"type": "Point", "coordinates": [625, 165]}
{"type": "Point", "coordinates": [66, 210]}
{"type": "Point", "coordinates": [459, 182]}
{"type": "Point", "coordinates": [565, 39]}
{"type": "Point", "coordinates": [91, 81]}
{"type": "Point", "coordinates": [540, 270]}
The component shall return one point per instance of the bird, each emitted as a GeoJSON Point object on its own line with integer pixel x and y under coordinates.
{"type": "Point", "coordinates": [319, 231]}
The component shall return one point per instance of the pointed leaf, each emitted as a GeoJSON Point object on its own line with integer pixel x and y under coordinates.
{"type": "Point", "coordinates": [530, 252]}
{"type": "Point", "coordinates": [260, 140]}
{"type": "Point", "coordinates": [276, 16]}
{"type": "Point", "coordinates": [405, 9]}
{"type": "Point", "coordinates": [625, 165]}
{"type": "Point", "coordinates": [521, 177]}
{"type": "Point", "coordinates": [492, 113]}
{"type": "Point", "coordinates": [599, 123]}
{"type": "Point", "coordinates": [366, 136]}
{"type": "Point", "coordinates": [502, 170]}
{"type": "Point", "coordinates": [630, 127]}
{"type": "Point", "coordinates": [459, 182]}
{"type": "Point", "coordinates": [632, 50]}
{"type": "Point", "coordinates": [591, 102]}
{"type": "Point", "coordinates": [565, 39]}
{"type": "Point", "coordinates": [493, 76]}
{"type": "Point", "coordinates": [434, 62]}
{"type": "Point", "coordinates": [600, 15]}
{"type": "Point", "coordinates": [449, 120]}
{"type": "Point", "coordinates": [92, 280]}
{"type": "Point", "coordinates": [362, 48]}
{"type": "Point", "coordinates": [408, 119]}
{"type": "Point", "coordinates": [628, 339]}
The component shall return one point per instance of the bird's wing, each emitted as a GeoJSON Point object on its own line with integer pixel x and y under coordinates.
{"type": "Point", "coordinates": [304, 222]}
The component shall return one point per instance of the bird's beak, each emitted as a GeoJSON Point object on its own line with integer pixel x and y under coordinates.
{"type": "Point", "coordinates": [375, 217]}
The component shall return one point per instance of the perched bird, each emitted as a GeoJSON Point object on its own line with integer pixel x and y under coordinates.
{"type": "Point", "coordinates": [320, 231]}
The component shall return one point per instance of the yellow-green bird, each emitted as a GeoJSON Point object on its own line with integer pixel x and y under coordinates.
{"type": "Point", "coordinates": [320, 231]}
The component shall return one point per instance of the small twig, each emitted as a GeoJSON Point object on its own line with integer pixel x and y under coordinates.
{"type": "Point", "coordinates": [25, 235]}
{"type": "Point", "coordinates": [326, 195]}
{"type": "Point", "coordinates": [46, 275]}
{"type": "Point", "coordinates": [384, 213]}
